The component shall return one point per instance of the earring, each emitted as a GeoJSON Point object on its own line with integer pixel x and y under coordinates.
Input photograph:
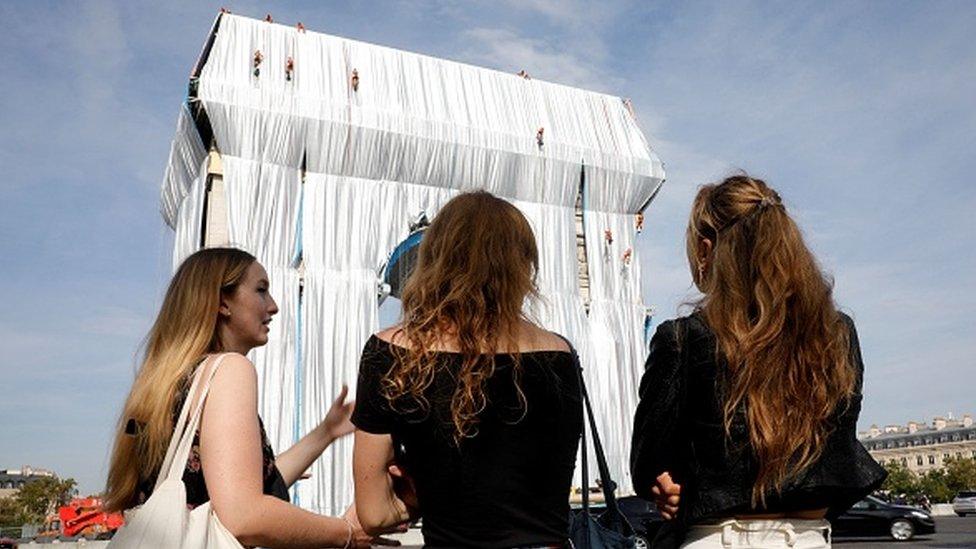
{"type": "Point", "coordinates": [701, 271]}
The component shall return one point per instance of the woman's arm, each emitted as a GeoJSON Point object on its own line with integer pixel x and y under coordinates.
{"type": "Point", "coordinates": [293, 462]}
{"type": "Point", "coordinates": [655, 447]}
{"type": "Point", "coordinates": [230, 454]}
{"type": "Point", "coordinates": [377, 503]}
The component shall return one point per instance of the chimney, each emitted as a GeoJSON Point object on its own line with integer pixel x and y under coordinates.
{"type": "Point", "coordinates": [939, 423]}
{"type": "Point", "coordinates": [912, 426]}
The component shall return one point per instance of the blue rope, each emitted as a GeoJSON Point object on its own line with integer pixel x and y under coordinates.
{"type": "Point", "coordinates": [296, 260]}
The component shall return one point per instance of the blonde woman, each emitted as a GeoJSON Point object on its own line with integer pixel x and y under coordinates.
{"type": "Point", "coordinates": [480, 407]}
{"type": "Point", "coordinates": [745, 430]}
{"type": "Point", "coordinates": [219, 301]}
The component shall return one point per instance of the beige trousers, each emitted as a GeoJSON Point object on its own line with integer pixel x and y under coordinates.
{"type": "Point", "coordinates": [760, 534]}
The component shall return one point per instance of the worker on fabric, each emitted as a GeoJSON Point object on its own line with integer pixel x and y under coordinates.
{"type": "Point", "coordinates": [478, 407]}
{"type": "Point", "coordinates": [219, 303]}
{"type": "Point", "coordinates": [745, 429]}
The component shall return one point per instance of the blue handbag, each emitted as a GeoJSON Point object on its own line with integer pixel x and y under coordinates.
{"type": "Point", "coordinates": [609, 529]}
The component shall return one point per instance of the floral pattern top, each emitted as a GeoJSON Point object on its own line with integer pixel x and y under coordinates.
{"type": "Point", "coordinates": [196, 486]}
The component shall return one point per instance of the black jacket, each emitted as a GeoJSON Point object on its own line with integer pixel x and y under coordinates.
{"type": "Point", "coordinates": [679, 428]}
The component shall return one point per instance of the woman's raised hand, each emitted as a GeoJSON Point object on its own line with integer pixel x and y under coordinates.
{"type": "Point", "coordinates": [337, 423]}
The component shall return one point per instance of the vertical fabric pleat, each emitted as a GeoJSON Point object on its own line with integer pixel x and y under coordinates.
{"type": "Point", "coordinates": [262, 211]}
{"type": "Point", "coordinates": [414, 133]}
{"type": "Point", "coordinates": [617, 351]}
{"type": "Point", "coordinates": [187, 155]}
{"type": "Point", "coordinates": [189, 219]}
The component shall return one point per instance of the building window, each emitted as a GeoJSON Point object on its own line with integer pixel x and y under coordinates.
{"type": "Point", "coordinates": [959, 455]}
{"type": "Point", "coordinates": [974, 454]}
{"type": "Point", "coordinates": [904, 462]}
{"type": "Point", "coordinates": [918, 459]}
{"type": "Point", "coordinates": [931, 459]}
{"type": "Point", "coordinates": [945, 456]}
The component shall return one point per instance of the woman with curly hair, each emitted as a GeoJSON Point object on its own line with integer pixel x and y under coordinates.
{"type": "Point", "coordinates": [476, 404]}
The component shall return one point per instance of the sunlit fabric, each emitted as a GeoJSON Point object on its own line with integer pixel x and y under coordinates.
{"type": "Point", "coordinates": [189, 218]}
{"type": "Point", "coordinates": [186, 157]}
{"type": "Point", "coordinates": [325, 171]}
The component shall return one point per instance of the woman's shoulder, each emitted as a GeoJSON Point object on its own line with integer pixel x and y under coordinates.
{"type": "Point", "coordinates": [389, 335]}
{"type": "Point", "coordinates": [233, 362]}
{"type": "Point", "coordinates": [538, 339]}
{"type": "Point", "coordinates": [847, 320]}
{"type": "Point", "coordinates": [380, 345]}
{"type": "Point", "coordinates": [532, 339]}
{"type": "Point", "coordinates": [692, 324]}
{"type": "Point", "coordinates": [232, 368]}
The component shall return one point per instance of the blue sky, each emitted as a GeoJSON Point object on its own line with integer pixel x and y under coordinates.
{"type": "Point", "coordinates": [862, 115]}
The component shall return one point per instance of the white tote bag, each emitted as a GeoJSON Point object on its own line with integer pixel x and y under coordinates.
{"type": "Point", "coordinates": [164, 521]}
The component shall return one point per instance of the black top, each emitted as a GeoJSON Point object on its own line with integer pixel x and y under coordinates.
{"type": "Point", "coordinates": [193, 480]}
{"type": "Point", "coordinates": [679, 428]}
{"type": "Point", "coordinates": [509, 484]}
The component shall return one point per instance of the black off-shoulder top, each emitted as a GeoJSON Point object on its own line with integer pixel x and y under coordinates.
{"type": "Point", "coordinates": [508, 484]}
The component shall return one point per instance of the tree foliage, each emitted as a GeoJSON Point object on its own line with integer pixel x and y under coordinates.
{"type": "Point", "coordinates": [12, 513]}
{"type": "Point", "coordinates": [940, 485]}
{"type": "Point", "coordinates": [933, 484]}
{"type": "Point", "coordinates": [960, 474]}
{"type": "Point", "coordinates": [41, 497]}
{"type": "Point", "coordinates": [901, 480]}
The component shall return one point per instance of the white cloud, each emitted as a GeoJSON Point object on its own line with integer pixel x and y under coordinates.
{"type": "Point", "coordinates": [506, 50]}
{"type": "Point", "coordinates": [861, 114]}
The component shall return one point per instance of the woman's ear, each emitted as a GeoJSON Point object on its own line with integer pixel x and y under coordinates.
{"type": "Point", "coordinates": [224, 309]}
{"type": "Point", "coordinates": [705, 249]}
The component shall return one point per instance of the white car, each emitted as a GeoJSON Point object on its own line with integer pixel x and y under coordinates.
{"type": "Point", "coordinates": [964, 503]}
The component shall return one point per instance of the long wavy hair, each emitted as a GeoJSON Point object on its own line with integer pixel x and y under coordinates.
{"type": "Point", "coordinates": [477, 266]}
{"type": "Point", "coordinates": [772, 311]}
{"type": "Point", "coordinates": [185, 331]}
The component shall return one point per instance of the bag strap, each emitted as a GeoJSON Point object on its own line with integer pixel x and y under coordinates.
{"type": "Point", "coordinates": [607, 484]}
{"type": "Point", "coordinates": [186, 426]}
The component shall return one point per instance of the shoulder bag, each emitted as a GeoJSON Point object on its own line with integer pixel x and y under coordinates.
{"type": "Point", "coordinates": [609, 529]}
{"type": "Point", "coordinates": [164, 521]}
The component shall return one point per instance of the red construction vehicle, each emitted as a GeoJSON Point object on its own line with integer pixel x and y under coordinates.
{"type": "Point", "coordinates": [81, 517]}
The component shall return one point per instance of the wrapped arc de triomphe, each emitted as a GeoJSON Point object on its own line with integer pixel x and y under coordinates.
{"type": "Point", "coordinates": [315, 153]}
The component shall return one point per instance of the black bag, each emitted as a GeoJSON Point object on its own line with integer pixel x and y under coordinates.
{"type": "Point", "coordinates": [610, 529]}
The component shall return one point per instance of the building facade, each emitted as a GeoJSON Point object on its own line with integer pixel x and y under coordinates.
{"type": "Point", "coordinates": [12, 480]}
{"type": "Point", "coordinates": [921, 447]}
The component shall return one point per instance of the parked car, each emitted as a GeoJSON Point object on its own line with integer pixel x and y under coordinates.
{"type": "Point", "coordinates": [8, 543]}
{"type": "Point", "coordinates": [874, 517]}
{"type": "Point", "coordinates": [964, 503]}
